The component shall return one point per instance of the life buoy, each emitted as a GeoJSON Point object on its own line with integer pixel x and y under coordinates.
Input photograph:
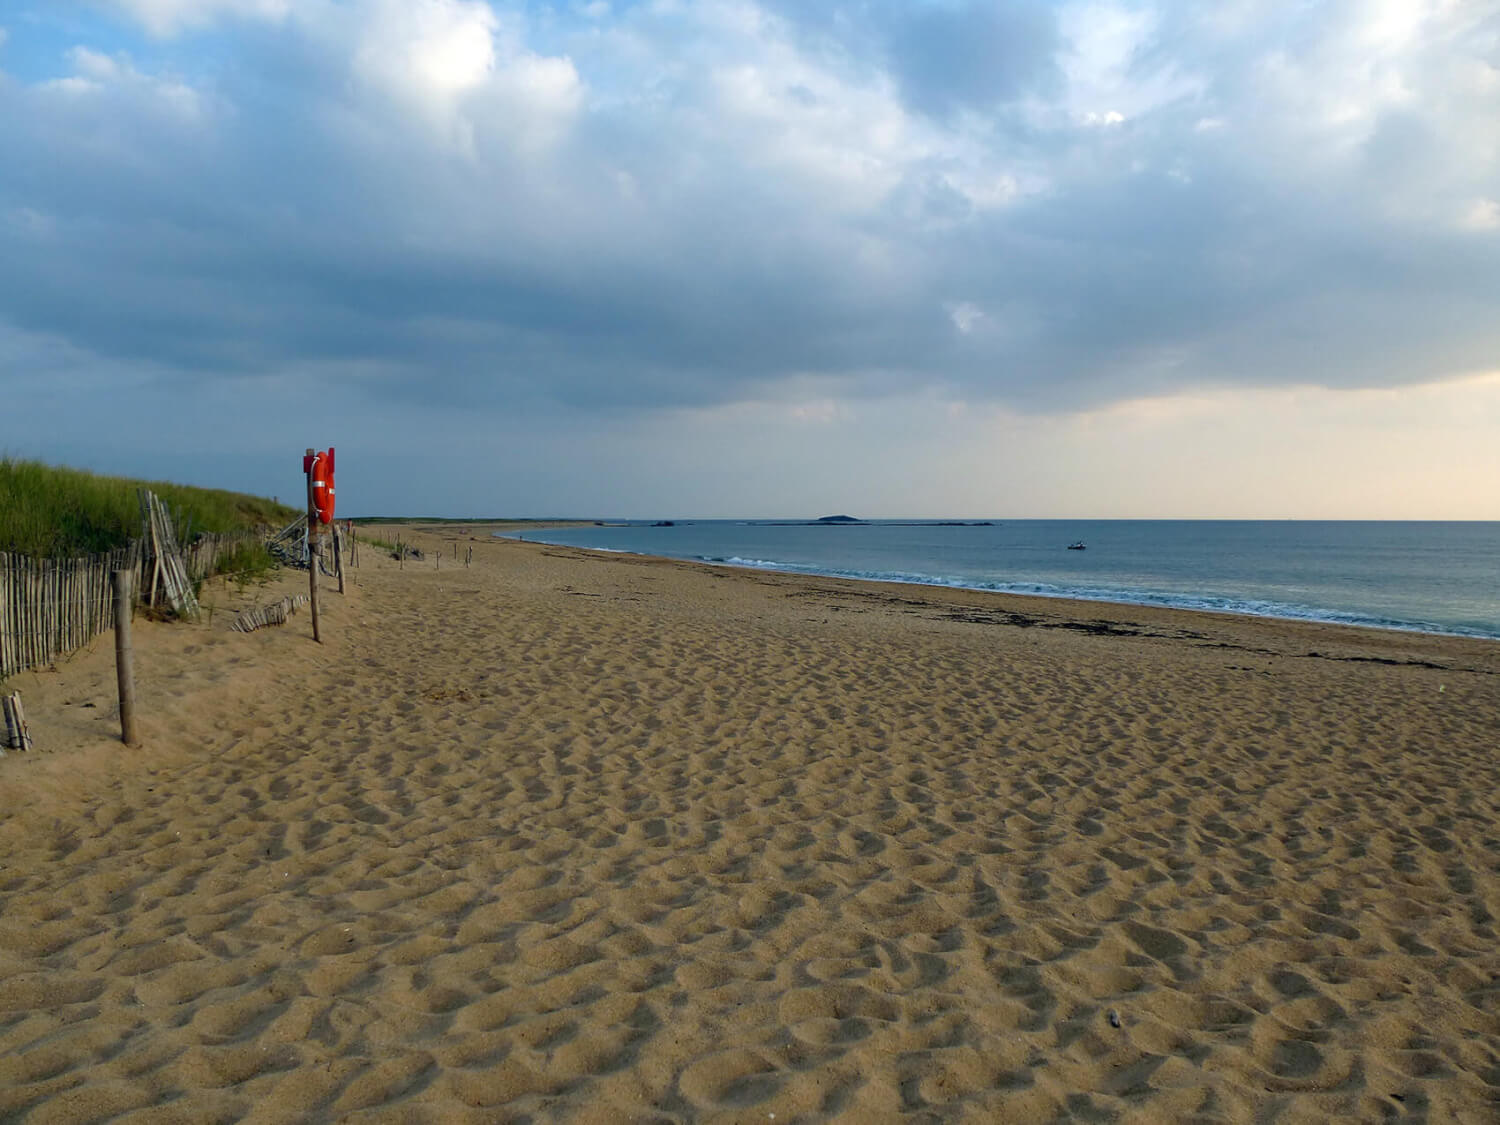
{"type": "Point", "coordinates": [322, 485]}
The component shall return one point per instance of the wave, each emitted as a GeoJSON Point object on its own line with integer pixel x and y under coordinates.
{"type": "Point", "coordinates": [754, 564]}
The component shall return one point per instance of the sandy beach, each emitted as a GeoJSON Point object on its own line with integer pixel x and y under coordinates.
{"type": "Point", "coordinates": [574, 837]}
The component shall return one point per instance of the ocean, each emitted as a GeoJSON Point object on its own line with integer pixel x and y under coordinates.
{"type": "Point", "coordinates": [1427, 577]}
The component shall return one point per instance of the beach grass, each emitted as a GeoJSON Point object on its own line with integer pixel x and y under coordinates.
{"type": "Point", "coordinates": [247, 562]}
{"type": "Point", "coordinates": [50, 510]}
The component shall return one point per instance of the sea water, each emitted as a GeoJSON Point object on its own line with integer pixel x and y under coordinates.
{"type": "Point", "coordinates": [1430, 577]}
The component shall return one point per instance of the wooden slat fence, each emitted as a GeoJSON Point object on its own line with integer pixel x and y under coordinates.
{"type": "Point", "coordinates": [50, 607]}
{"type": "Point", "coordinates": [277, 613]}
{"type": "Point", "coordinates": [202, 556]}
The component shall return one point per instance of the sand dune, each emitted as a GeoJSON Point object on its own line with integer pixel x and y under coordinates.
{"type": "Point", "coordinates": [578, 838]}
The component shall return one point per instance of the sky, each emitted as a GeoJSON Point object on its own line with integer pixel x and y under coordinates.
{"type": "Point", "coordinates": [654, 258]}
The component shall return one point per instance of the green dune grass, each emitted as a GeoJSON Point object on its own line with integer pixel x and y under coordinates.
{"type": "Point", "coordinates": [48, 511]}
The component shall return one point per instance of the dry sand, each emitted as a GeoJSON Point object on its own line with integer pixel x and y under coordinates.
{"type": "Point", "coordinates": [589, 838]}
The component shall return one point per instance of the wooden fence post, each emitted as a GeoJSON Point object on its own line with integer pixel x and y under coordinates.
{"type": "Point", "coordinates": [124, 657]}
{"type": "Point", "coordinates": [312, 549]}
{"type": "Point", "coordinates": [338, 556]}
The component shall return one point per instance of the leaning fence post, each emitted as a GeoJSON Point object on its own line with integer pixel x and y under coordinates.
{"type": "Point", "coordinates": [124, 657]}
{"type": "Point", "coordinates": [338, 556]}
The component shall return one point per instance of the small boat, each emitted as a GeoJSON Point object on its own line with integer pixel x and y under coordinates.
{"type": "Point", "coordinates": [1077, 545]}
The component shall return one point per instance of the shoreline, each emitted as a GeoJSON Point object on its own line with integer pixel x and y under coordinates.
{"type": "Point", "coordinates": [1114, 618]}
{"type": "Point", "coordinates": [1069, 599]}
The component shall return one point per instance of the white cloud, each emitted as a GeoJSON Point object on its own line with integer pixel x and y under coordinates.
{"type": "Point", "coordinates": [1105, 119]}
{"type": "Point", "coordinates": [71, 86]}
{"type": "Point", "coordinates": [170, 17]}
{"type": "Point", "coordinates": [1106, 64]}
{"type": "Point", "coordinates": [533, 100]}
{"type": "Point", "coordinates": [824, 131]}
{"type": "Point", "coordinates": [467, 77]}
{"type": "Point", "coordinates": [965, 316]}
{"type": "Point", "coordinates": [449, 63]}
{"type": "Point", "coordinates": [132, 91]}
{"type": "Point", "coordinates": [1482, 214]}
{"type": "Point", "coordinates": [428, 50]}
{"type": "Point", "coordinates": [97, 66]}
{"type": "Point", "coordinates": [1393, 25]}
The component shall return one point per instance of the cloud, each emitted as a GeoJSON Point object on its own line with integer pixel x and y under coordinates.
{"type": "Point", "coordinates": [1482, 214]}
{"type": "Point", "coordinates": [663, 206]}
{"type": "Point", "coordinates": [973, 56]}
{"type": "Point", "coordinates": [428, 50]}
{"type": "Point", "coordinates": [173, 17]}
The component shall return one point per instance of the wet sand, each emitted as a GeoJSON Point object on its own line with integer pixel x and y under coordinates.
{"type": "Point", "coordinates": [567, 837]}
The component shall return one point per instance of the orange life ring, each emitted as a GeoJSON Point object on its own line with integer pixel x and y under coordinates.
{"type": "Point", "coordinates": [322, 485]}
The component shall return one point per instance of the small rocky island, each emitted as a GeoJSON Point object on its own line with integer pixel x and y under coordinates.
{"type": "Point", "coordinates": [838, 519]}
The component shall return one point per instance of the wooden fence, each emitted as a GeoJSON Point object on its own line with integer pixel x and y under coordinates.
{"type": "Point", "coordinates": [277, 613]}
{"type": "Point", "coordinates": [202, 555]}
{"type": "Point", "coordinates": [50, 607]}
